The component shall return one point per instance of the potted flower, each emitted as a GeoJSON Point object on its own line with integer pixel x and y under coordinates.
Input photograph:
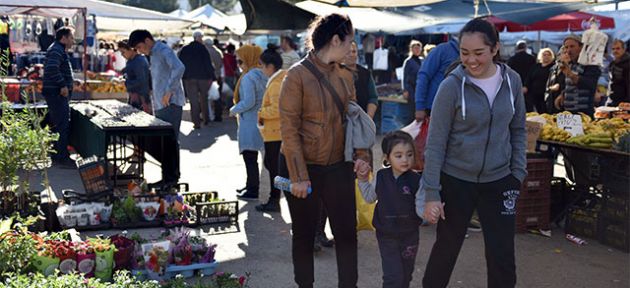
{"type": "Point", "coordinates": [104, 258]}
{"type": "Point", "coordinates": [64, 250]}
{"type": "Point", "coordinates": [124, 252]}
{"type": "Point", "coordinates": [45, 261]}
{"type": "Point", "coordinates": [86, 258]}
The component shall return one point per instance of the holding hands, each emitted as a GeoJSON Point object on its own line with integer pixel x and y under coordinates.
{"type": "Point", "coordinates": [433, 211]}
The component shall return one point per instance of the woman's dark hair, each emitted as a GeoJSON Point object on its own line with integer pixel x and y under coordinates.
{"type": "Point", "coordinates": [271, 56]}
{"type": "Point", "coordinates": [63, 31]}
{"type": "Point", "coordinates": [230, 48]}
{"type": "Point", "coordinates": [138, 36]}
{"type": "Point", "coordinates": [290, 42]}
{"type": "Point", "coordinates": [394, 138]}
{"type": "Point", "coordinates": [487, 29]}
{"type": "Point", "coordinates": [322, 29]}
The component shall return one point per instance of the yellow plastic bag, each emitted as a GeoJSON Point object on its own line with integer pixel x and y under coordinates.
{"type": "Point", "coordinates": [365, 211]}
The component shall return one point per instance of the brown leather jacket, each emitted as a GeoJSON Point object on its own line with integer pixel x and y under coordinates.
{"type": "Point", "coordinates": [310, 123]}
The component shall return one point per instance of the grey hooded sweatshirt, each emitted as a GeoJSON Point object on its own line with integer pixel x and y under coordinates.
{"type": "Point", "coordinates": [472, 139]}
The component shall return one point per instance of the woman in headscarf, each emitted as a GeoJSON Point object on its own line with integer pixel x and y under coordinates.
{"type": "Point", "coordinates": [248, 96]}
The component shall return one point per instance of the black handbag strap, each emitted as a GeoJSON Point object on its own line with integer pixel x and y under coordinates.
{"type": "Point", "coordinates": [328, 86]}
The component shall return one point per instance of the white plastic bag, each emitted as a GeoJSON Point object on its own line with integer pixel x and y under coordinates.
{"type": "Point", "coordinates": [413, 128]}
{"type": "Point", "coordinates": [213, 93]}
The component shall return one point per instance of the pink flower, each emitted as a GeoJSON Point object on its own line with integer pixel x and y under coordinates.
{"type": "Point", "coordinates": [241, 280]}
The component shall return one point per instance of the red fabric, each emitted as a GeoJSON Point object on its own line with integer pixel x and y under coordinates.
{"type": "Point", "coordinates": [229, 65]}
{"type": "Point", "coordinates": [420, 142]}
{"type": "Point", "coordinates": [574, 21]}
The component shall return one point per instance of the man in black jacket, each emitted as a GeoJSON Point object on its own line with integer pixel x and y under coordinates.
{"type": "Point", "coordinates": [57, 90]}
{"type": "Point", "coordinates": [620, 74]}
{"type": "Point", "coordinates": [197, 78]}
{"type": "Point", "coordinates": [522, 61]}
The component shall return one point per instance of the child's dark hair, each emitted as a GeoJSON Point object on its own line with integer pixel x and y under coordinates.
{"type": "Point", "coordinates": [322, 29]}
{"type": "Point", "coordinates": [394, 138]}
{"type": "Point", "coordinates": [271, 56]}
{"type": "Point", "coordinates": [487, 29]}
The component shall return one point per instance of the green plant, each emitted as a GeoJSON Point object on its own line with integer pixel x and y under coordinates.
{"type": "Point", "coordinates": [122, 279]}
{"type": "Point", "coordinates": [24, 145]}
{"type": "Point", "coordinates": [17, 246]}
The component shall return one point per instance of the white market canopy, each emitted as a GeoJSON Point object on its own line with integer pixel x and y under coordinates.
{"type": "Point", "coordinates": [109, 16]}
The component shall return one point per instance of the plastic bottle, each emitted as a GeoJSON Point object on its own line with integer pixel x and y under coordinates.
{"type": "Point", "coordinates": [284, 184]}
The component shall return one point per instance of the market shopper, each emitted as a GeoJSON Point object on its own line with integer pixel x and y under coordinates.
{"type": "Point", "coordinates": [230, 69]}
{"type": "Point", "coordinates": [216, 55]}
{"type": "Point", "coordinates": [312, 152]}
{"type": "Point", "coordinates": [536, 80]}
{"type": "Point", "coordinates": [580, 80]}
{"type": "Point", "coordinates": [269, 118]}
{"type": "Point", "coordinates": [167, 96]}
{"type": "Point", "coordinates": [431, 74]}
{"type": "Point", "coordinates": [137, 77]}
{"type": "Point", "coordinates": [411, 67]}
{"type": "Point", "coordinates": [197, 78]}
{"type": "Point", "coordinates": [475, 158]}
{"type": "Point", "coordinates": [57, 90]}
{"type": "Point", "coordinates": [620, 74]}
{"type": "Point", "coordinates": [289, 53]}
{"type": "Point", "coordinates": [555, 85]}
{"type": "Point", "coordinates": [522, 62]}
{"type": "Point", "coordinates": [248, 97]}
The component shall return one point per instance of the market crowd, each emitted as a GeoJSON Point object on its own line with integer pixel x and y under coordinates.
{"type": "Point", "coordinates": [294, 108]}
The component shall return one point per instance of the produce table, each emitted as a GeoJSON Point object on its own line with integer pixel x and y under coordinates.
{"type": "Point", "coordinates": [103, 128]}
{"type": "Point", "coordinates": [587, 167]}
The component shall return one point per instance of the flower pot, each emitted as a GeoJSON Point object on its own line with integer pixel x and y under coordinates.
{"type": "Point", "coordinates": [106, 213]}
{"type": "Point", "coordinates": [45, 265]}
{"type": "Point", "coordinates": [68, 263]}
{"type": "Point", "coordinates": [84, 219]}
{"type": "Point", "coordinates": [104, 265]}
{"type": "Point", "coordinates": [86, 264]}
{"type": "Point", "coordinates": [149, 210]}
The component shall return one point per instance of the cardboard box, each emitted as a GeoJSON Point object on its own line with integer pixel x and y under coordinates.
{"type": "Point", "coordinates": [533, 132]}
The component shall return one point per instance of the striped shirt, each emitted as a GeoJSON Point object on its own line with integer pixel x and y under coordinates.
{"type": "Point", "coordinates": [57, 68]}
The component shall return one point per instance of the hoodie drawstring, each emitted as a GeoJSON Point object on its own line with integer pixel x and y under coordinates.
{"type": "Point", "coordinates": [463, 99]}
{"type": "Point", "coordinates": [511, 93]}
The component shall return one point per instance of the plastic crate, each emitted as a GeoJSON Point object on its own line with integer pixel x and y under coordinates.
{"type": "Point", "coordinates": [615, 234]}
{"type": "Point", "coordinates": [539, 175]}
{"type": "Point", "coordinates": [583, 222]}
{"type": "Point", "coordinates": [92, 172]}
{"type": "Point", "coordinates": [532, 214]}
{"type": "Point", "coordinates": [616, 208]}
{"type": "Point", "coordinates": [216, 212]}
{"type": "Point", "coordinates": [616, 177]}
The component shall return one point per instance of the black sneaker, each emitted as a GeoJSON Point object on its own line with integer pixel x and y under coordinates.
{"type": "Point", "coordinates": [241, 190]}
{"type": "Point", "coordinates": [324, 241]}
{"type": "Point", "coordinates": [248, 196]}
{"type": "Point", "coordinates": [271, 206]}
{"type": "Point", "coordinates": [474, 226]}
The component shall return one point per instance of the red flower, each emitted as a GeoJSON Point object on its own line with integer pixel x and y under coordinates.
{"type": "Point", "coordinates": [241, 280]}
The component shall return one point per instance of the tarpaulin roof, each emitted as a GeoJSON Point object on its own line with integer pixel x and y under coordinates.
{"type": "Point", "coordinates": [208, 16]}
{"type": "Point", "coordinates": [518, 12]}
{"type": "Point", "coordinates": [275, 15]}
{"type": "Point", "coordinates": [109, 16]}
{"type": "Point", "coordinates": [396, 3]}
{"type": "Point", "coordinates": [574, 21]}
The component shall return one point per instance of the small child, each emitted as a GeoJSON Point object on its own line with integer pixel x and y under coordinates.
{"type": "Point", "coordinates": [395, 217]}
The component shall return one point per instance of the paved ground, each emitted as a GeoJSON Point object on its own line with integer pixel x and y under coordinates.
{"type": "Point", "coordinates": [261, 243]}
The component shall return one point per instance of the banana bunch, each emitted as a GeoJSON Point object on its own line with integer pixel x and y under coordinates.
{"type": "Point", "coordinates": [553, 133]}
{"type": "Point", "coordinates": [550, 118]}
{"type": "Point", "coordinates": [617, 126]}
{"type": "Point", "coordinates": [600, 140]}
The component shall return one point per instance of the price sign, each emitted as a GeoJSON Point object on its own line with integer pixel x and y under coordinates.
{"type": "Point", "coordinates": [570, 123]}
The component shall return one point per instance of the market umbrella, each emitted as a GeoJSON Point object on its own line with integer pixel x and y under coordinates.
{"type": "Point", "coordinates": [574, 21]}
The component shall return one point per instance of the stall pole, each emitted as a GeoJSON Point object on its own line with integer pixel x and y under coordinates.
{"type": "Point", "coordinates": [85, 58]}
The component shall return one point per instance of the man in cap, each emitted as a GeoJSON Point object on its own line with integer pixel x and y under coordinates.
{"type": "Point", "coordinates": [522, 61]}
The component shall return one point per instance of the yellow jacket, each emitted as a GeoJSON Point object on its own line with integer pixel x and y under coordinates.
{"type": "Point", "coordinates": [269, 113]}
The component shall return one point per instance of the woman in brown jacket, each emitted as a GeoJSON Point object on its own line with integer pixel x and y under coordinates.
{"type": "Point", "coordinates": [313, 149]}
